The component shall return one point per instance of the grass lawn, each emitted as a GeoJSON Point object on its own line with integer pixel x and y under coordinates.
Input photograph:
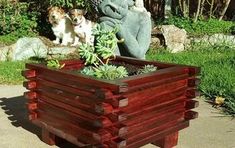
{"type": "Point", "coordinates": [10, 72]}
{"type": "Point", "coordinates": [217, 69]}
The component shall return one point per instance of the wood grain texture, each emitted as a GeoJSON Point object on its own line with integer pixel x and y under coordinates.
{"type": "Point", "coordinates": [128, 112]}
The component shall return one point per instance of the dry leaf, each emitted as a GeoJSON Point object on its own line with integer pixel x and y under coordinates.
{"type": "Point", "coordinates": [219, 100]}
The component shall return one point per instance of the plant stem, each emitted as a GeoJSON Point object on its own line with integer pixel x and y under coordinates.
{"type": "Point", "coordinates": [225, 9]}
{"type": "Point", "coordinates": [99, 59]}
{"type": "Point", "coordinates": [198, 11]}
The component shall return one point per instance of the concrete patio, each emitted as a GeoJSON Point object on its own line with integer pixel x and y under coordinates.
{"type": "Point", "coordinates": [210, 130]}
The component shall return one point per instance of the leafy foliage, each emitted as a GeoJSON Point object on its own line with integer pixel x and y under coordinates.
{"type": "Point", "coordinates": [69, 3]}
{"type": "Point", "coordinates": [109, 72]}
{"type": "Point", "coordinates": [15, 21]}
{"type": "Point", "coordinates": [147, 69]}
{"type": "Point", "coordinates": [106, 42]}
{"type": "Point", "coordinates": [87, 52]}
{"type": "Point", "coordinates": [201, 27]}
{"type": "Point", "coordinates": [54, 64]}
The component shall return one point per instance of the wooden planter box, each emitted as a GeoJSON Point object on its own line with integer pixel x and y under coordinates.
{"type": "Point", "coordinates": [128, 112]}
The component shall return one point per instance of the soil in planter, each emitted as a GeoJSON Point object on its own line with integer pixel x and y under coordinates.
{"type": "Point", "coordinates": [131, 69]}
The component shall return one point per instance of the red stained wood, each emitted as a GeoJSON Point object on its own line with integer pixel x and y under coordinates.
{"type": "Point", "coordinates": [168, 141]}
{"type": "Point", "coordinates": [32, 106]}
{"type": "Point", "coordinates": [48, 137]}
{"type": "Point", "coordinates": [192, 82]}
{"type": "Point", "coordinates": [189, 115]}
{"type": "Point", "coordinates": [79, 78]}
{"type": "Point", "coordinates": [83, 135]}
{"type": "Point", "coordinates": [191, 104]}
{"type": "Point", "coordinates": [57, 132]}
{"type": "Point", "coordinates": [29, 74]}
{"type": "Point", "coordinates": [158, 135]}
{"type": "Point", "coordinates": [155, 78]}
{"type": "Point", "coordinates": [30, 85]}
{"type": "Point", "coordinates": [30, 95]}
{"type": "Point", "coordinates": [32, 115]}
{"type": "Point", "coordinates": [128, 112]}
{"type": "Point", "coordinates": [192, 93]}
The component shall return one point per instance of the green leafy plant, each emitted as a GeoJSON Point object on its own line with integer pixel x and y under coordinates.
{"type": "Point", "coordinates": [54, 64]}
{"type": "Point", "coordinates": [105, 71]}
{"type": "Point", "coordinates": [16, 21]}
{"type": "Point", "coordinates": [69, 3]}
{"type": "Point", "coordinates": [201, 27]}
{"type": "Point", "coordinates": [100, 54]}
{"type": "Point", "coordinates": [147, 69]}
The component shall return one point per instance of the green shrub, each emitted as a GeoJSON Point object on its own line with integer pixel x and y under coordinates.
{"type": "Point", "coordinates": [16, 21]}
{"type": "Point", "coordinates": [217, 64]}
{"type": "Point", "coordinates": [69, 3]}
{"type": "Point", "coordinates": [201, 27]}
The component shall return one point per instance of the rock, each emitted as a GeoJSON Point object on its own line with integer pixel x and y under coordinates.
{"type": "Point", "coordinates": [6, 52]}
{"type": "Point", "coordinates": [155, 42]}
{"type": "Point", "coordinates": [216, 39]}
{"type": "Point", "coordinates": [60, 51]}
{"type": "Point", "coordinates": [29, 47]}
{"type": "Point", "coordinates": [175, 38]}
{"type": "Point", "coordinates": [26, 48]}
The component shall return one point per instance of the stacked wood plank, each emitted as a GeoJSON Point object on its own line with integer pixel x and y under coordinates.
{"type": "Point", "coordinates": [129, 112]}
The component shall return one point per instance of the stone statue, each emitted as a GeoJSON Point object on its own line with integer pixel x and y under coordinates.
{"type": "Point", "coordinates": [134, 26]}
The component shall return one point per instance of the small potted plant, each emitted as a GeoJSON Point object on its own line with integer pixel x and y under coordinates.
{"type": "Point", "coordinates": [105, 100]}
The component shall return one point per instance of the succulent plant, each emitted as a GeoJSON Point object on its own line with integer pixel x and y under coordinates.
{"type": "Point", "coordinates": [147, 69]}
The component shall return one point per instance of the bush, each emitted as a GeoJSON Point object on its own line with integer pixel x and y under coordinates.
{"type": "Point", "coordinates": [69, 3]}
{"type": "Point", "coordinates": [201, 27]}
{"type": "Point", "coordinates": [217, 64]}
{"type": "Point", "coordinates": [16, 21]}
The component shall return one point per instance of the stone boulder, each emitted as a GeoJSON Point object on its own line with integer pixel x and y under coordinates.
{"type": "Point", "coordinates": [175, 38]}
{"type": "Point", "coordinates": [6, 52]}
{"type": "Point", "coordinates": [60, 51]}
{"type": "Point", "coordinates": [216, 39]}
{"type": "Point", "coordinates": [27, 47]}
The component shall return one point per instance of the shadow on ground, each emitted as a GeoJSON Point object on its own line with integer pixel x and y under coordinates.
{"type": "Point", "coordinates": [16, 110]}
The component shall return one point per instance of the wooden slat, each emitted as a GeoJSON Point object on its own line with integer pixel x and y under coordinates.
{"type": "Point", "coordinates": [32, 115]}
{"type": "Point", "coordinates": [59, 133]}
{"type": "Point", "coordinates": [189, 115]}
{"type": "Point", "coordinates": [134, 61]}
{"type": "Point", "coordinates": [152, 131]}
{"type": "Point", "coordinates": [152, 77]}
{"type": "Point", "coordinates": [67, 128]}
{"type": "Point", "coordinates": [193, 81]}
{"type": "Point", "coordinates": [160, 98]}
{"type": "Point", "coordinates": [168, 141]}
{"type": "Point", "coordinates": [152, 112]}
{"type": "Point", "coordinates": [79, 78]}
{"type": "Point", "coordinates": [155, 91]}
{"type": "Point", "coordinates": [29, 74]}
{"type": "Point", "coordinates": [30, 85]}
{"type": "Point", "coordinates": [192, 93]}
{"type": "Point", "coordinates": [161, 65]}
{"type": "Point", "coordinates": [30, 95]}
{"type": "Point", "coordinates": [191, 104]}
{"type": "Point", "coordinates": [158, 135]}
{"type": "Point", "coordinates": [155, 122]}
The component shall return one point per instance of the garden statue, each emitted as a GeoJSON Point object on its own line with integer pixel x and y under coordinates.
{"type": "Point", "coordinates": [134, 25]}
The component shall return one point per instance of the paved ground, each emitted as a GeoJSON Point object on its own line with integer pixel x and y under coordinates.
{"type": "Point", "coordinates": [210, 130]}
